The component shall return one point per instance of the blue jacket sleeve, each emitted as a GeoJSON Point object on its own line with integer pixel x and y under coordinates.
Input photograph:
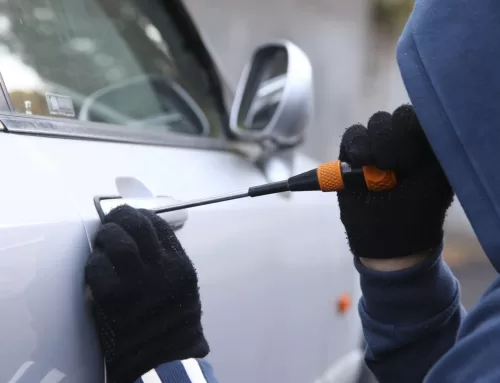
{"type": "Point", "coordinates": [181, 371]}
{"type": "Point", "coordinates": [410, 318]}
{"type": "Point", "coordinates": [474, 358]}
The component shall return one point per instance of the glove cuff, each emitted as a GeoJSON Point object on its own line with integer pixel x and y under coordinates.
{"type": "Point", "coordinates": [395, 241]}
{"type": "Point", "coordinates": [161, 350]}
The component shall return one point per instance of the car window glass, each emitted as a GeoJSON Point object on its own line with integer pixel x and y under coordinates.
{"type": "Point", "coordinates": [121, 62]}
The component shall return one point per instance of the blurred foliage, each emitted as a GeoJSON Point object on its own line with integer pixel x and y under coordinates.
{"type": "Point", "coordinates": [391, 15]}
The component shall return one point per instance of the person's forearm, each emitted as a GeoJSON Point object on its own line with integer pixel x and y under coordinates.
{"type": "Point", "coordinates": [394, 264]}
{"type": "Point", "coordinates": [411, 313]}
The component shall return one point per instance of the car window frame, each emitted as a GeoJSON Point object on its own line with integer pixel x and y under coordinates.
{"type": "Point", "coordinates": [15, 122]}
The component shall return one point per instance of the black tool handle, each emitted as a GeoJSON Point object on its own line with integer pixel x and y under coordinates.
{"type": "Point", "coordinates": [272, 188]}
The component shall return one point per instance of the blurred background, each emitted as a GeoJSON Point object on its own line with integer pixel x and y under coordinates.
{"type": "Point", "coordinates": [351, 45]}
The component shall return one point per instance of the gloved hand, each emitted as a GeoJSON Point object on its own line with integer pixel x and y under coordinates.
{"type": "Point", "coordinates": [145, 297]}
{"type": "Point", "coordinates": [408, 219]}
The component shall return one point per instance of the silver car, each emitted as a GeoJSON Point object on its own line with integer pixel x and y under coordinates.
{"type": "Point", "coordinates": [107, 102]}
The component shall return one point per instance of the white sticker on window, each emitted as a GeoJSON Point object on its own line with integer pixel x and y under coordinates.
{"type": "Point", "coordinates": [60, 105]}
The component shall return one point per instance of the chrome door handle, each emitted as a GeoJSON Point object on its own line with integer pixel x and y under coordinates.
{"type": "Point", "coordinates": [176, 219]}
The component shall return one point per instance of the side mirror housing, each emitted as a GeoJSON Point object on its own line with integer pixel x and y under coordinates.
{"type": "Point", "coordinates": [274, 97]}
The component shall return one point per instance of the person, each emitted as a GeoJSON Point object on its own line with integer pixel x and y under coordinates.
{"type": "Point", "coordinates": [145, 291]}
{"type": "Point", "coordinates": [414, 326]}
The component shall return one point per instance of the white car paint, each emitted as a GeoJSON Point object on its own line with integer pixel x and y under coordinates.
{"type": "Point", "coordinates": [270, 268]}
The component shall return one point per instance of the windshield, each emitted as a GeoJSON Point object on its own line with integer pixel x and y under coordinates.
{"type": "Point", "coordinates": [121, 62]}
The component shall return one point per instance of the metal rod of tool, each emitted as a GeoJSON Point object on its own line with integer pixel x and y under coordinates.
{"type": "Point", "coordinates": [201, 202]}
{"type": "Point", "coordinates": [256, 191]}
{"type": "Point", "coordinates": [328, 177]}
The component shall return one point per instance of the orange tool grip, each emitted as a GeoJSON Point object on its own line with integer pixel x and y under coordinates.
{"type": "Point", "coordinates": [331, 177]}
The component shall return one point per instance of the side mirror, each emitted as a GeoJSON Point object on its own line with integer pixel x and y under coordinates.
{"type": "Point", "coordinates": [274, 99]}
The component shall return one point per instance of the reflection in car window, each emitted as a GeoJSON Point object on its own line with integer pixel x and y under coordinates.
{"type": "Point", "coordinates": [121, 62]}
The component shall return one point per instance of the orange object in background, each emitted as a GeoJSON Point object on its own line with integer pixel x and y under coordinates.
{"type": "Point", "coordinates": [344, 303]}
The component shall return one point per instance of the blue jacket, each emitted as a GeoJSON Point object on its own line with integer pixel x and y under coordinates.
{"type": "Point", "coordinates": [181, 371]}
{"type": "Point", "coordinates": [414, 326]}
{"type": "Point", "coordinates": [448, 56]}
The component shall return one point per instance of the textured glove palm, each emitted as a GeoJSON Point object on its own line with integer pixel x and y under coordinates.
{"type": "Point", "coordinates": [145, 295]}
{"type": "Point", "coordinates": [409, 218]}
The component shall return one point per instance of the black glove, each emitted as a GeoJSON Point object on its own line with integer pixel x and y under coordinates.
{"type": "Point", "coordinates": [145, 297]}
{"type": "Point", "coordinates": [409, 218]}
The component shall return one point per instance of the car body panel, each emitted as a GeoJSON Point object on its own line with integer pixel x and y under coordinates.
{"type": "Point", "coordinates": [45, 326]}
{"type": "Point", "coordinates": [270, 268]}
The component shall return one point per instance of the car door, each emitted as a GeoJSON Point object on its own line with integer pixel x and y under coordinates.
{"type": "Point", "coordinates": [110, 98]}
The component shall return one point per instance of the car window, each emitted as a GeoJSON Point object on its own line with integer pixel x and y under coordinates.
{"type": "Point", "coordinates": [110, 61]}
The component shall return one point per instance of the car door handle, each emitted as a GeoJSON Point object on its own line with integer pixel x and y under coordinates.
{"type": "Point", "coordinates": [176, 219]}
